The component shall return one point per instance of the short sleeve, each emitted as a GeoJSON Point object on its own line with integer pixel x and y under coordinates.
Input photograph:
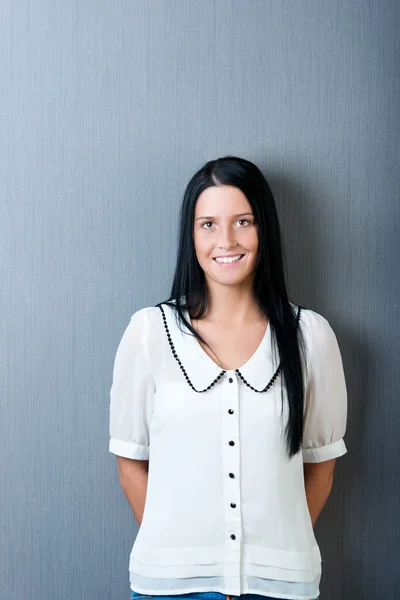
{"type": "Point", "coordinates": [325, 414]}
{"type": "Point", "coordinates": [132, 392]}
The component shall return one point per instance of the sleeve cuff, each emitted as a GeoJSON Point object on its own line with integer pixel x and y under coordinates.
{"type": "Point", "coordinates": [316, 455]}
{"type": "Point", "coordinates": [129, 450]}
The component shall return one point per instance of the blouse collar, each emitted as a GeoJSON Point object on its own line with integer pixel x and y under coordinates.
{"type": "Point", "coordinates": [201, 368]}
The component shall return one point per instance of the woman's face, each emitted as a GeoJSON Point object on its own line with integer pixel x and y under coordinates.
{"type": "Point", "coordinates": [224, 226]}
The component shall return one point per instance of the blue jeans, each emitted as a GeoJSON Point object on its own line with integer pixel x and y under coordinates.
{"type": "Point", "coordinates": [200, 596]}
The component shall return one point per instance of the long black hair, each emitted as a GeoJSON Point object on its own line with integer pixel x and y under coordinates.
{"type": "Point", "coordinates": [189, 290]}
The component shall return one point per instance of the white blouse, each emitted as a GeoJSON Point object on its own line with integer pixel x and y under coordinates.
{"type": "Point", "coordinates": [225, 509]}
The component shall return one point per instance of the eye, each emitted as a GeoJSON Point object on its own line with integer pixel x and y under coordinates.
{"type": "Point", "coordinates": [244, 221]}
{"type": "Point", "coordinates": [206, 223]}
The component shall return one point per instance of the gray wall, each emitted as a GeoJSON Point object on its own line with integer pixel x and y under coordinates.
{"type": "Point", "coordinates": [107, 109]}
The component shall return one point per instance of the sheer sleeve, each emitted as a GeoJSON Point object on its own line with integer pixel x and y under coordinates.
{"type": "Point", "coordinates": [325, 412]}
{"type": "Point", "coordinates": [132, 392]}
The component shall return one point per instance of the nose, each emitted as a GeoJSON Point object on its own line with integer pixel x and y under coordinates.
{"type": "Point", "coordinates": [227, 239]}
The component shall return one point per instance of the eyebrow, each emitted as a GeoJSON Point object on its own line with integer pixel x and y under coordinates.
{"type": "Point", "coordinates": [239, 215]}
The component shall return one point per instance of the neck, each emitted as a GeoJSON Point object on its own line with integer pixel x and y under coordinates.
{"type": "Point", "coordinates": [232, 305]}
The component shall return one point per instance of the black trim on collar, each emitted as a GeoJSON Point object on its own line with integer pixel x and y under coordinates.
{"type": "Point", "coordinates": [223, 371]}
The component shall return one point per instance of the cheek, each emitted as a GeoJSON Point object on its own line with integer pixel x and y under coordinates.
{"type": "Point", "coordinates": [202, 246]}
{"type": "Point", "coordinates": [250, 241]}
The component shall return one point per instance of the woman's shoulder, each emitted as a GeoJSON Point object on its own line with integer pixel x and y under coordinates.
{"type": "Point", "coordinates": [152, 317]}
{"type": "Point", "coordinates": [146, 314]}
{"type": "Point", "coordinates": [311, 318]}
{"type": "Point", "coordinates": [317, 330]}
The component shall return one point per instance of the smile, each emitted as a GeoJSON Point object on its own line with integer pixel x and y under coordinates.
{"type": "Point", "coordinates": [229, 259]}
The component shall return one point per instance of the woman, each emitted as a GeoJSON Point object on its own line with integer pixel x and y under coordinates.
{"type": "Point", "coordinates": [228, 408]}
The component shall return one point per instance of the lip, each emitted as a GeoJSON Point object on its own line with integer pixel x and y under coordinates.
{"type": "Point", "coordinates": [228, 255]}
{"type": "Point", "coordinates": [228, 265]}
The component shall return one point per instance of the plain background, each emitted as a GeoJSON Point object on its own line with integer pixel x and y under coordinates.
{"type": "Point", "coordinates": [107, 109]}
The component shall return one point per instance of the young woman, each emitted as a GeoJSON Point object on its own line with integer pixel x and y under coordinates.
{"type": "Point", "coordinates": [228, 408]}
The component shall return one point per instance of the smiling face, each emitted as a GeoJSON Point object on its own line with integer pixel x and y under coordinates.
{"type": "Point", "coordinates": [225, 229]}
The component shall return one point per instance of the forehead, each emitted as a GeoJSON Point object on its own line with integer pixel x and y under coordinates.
{"type": "Point", "coordinates": [221, 200]}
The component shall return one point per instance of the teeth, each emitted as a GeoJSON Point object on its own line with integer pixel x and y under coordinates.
{"type": "Point", "coordinates": [229, 259]}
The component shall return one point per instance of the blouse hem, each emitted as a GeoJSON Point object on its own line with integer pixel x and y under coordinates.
{"type": "Point", "coordinates": [225, 591]}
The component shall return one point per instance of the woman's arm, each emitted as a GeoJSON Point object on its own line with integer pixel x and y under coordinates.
{"type": "Point", "coordinates": [318, 479]}
{"type": "Point", "coordinates": [133, 479]}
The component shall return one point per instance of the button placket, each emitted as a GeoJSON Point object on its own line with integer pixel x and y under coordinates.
{"type": "Point", "coordinates": [231, 465]}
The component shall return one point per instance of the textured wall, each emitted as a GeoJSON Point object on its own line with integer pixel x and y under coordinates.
{"type": "Point", "coordinates": [106, 110]}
